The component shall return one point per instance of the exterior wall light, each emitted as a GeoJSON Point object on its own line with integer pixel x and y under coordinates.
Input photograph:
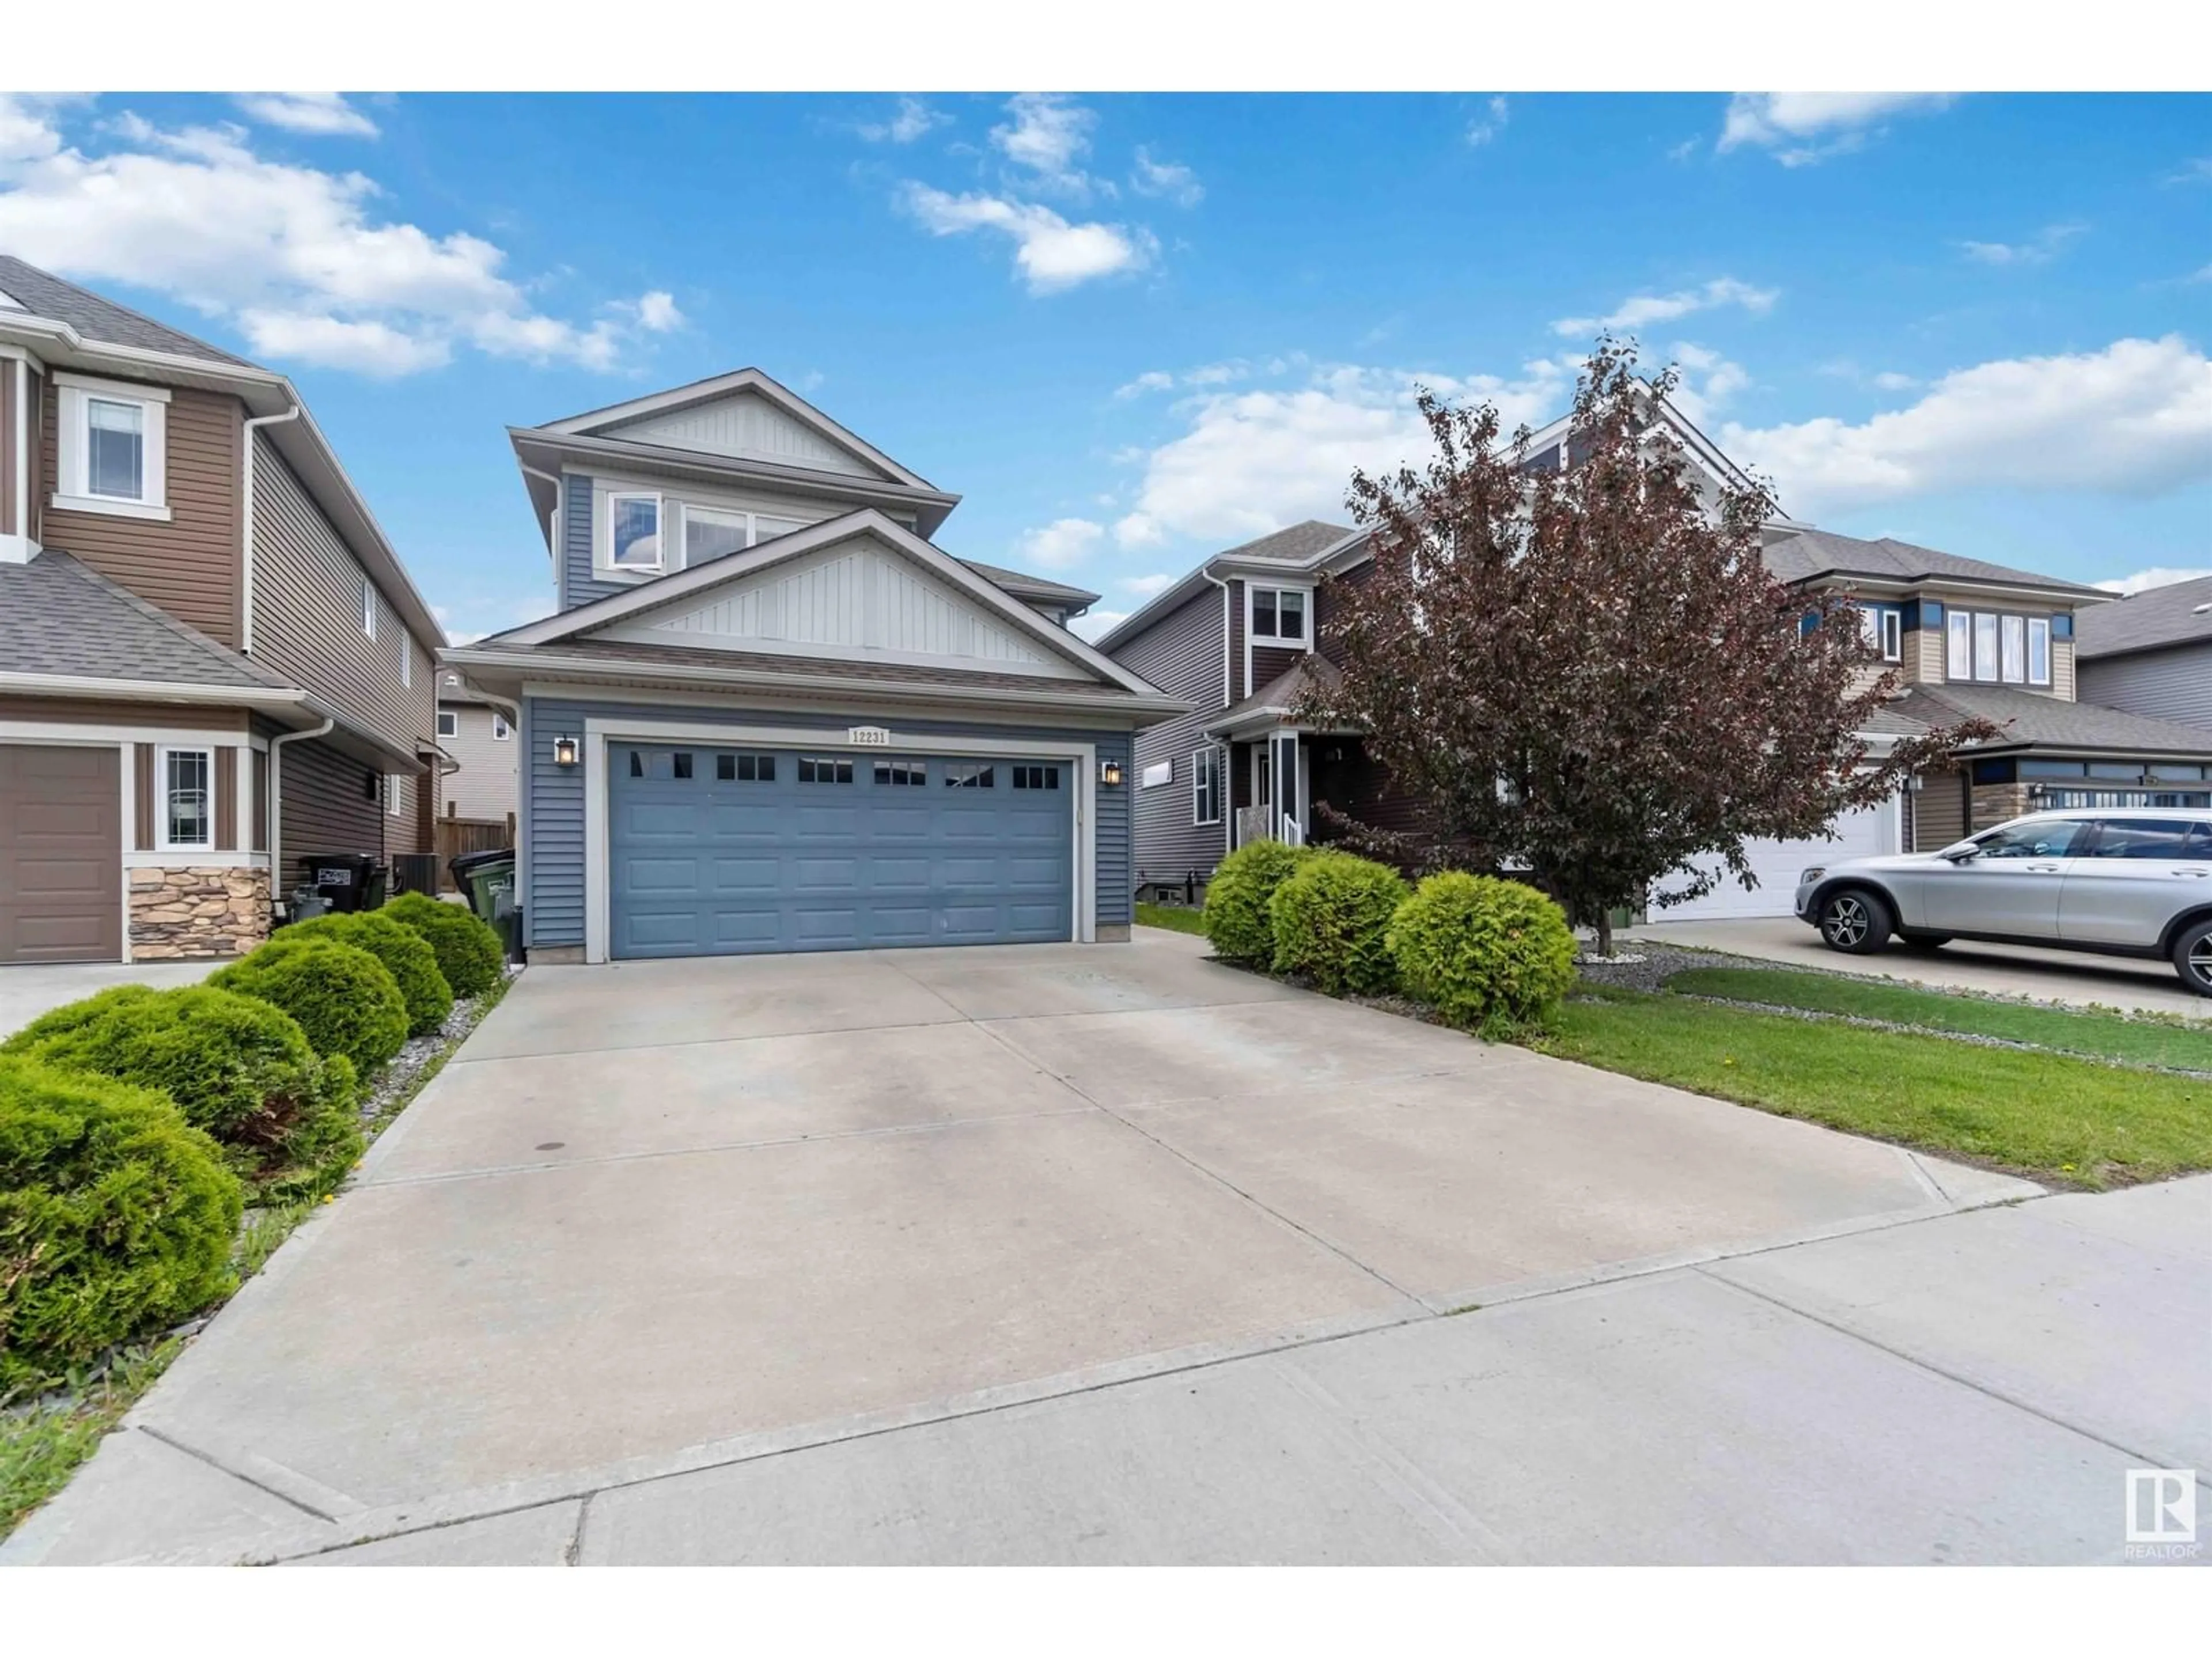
{"type": "Point", "coordinates": [1109, 774]}
{"type": "Point", "coordinates": [564, 752]}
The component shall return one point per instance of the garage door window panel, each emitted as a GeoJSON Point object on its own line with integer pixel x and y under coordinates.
{"type": "Point", "coordinates": [817, 768]}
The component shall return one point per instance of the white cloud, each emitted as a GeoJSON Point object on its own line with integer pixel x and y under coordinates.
{"type": "Point", "coordinates": [2041, 249]}
{"type": "Point", "coordinates": [1709, 380]}
{"type": "Point", "coordinates": [318, 114]}
{"type": "Point", "coordinates": [295, 258]}
{"type": "Point", "coordinates": [1152, 380]}
{"type": "Point", "coordinates": [1095, 625]}
{"type": "Point", "coordinates": [1639, 310]}
{"type": "Point", "coordinates": [1061, 544]}
{"type": "Point", "coordinates": [1047, 137]}
{"type": "Point", "coordinates": [1804, 127]}
{"type": "Point", "coordinates": [1487, 126]}
{"type": "Point", "coordinates": [656, 312]}
{"type": "Point", "coordinates": [1252, 461]}
{"type": "Point", "coordinates": [1890, 379]}
{"type": "Point", "coordinates": [1051, 253]}
{"type": "Point", "coordinates": [913, 119]}
{"type": "Point", "coordinates": [1146, 587]}
{"type": "Point", "coordinates": [2134, 418]}
{"type": "Point", "coordinates": [2158, 575]}
{"type": "Point", "coordinates": [2197, 171]}
{"type": "Point", "coordinates": [1169, 178]}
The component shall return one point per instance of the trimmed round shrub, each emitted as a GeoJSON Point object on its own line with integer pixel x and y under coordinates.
{"type": "Point", "coordinates": [116, 1219]}
{"type": "Point", "coordinates": [1331, 918]}
{"type": "Point", "coordinates": [240, 1069]}
{"type": "Point", "coordinates": [1237, 924]}
{"type": "Point", "coordinates": [469, 953]}
{"type": "Point", "coordinates": [405, 954]}
{"type": "Point", "coordinates": [344, 999]}
{"type": "Point", "coordinates": [1492, 956]}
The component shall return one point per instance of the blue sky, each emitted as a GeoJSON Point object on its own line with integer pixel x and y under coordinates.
{"type": "Point", "coordinates": [1132, 329]}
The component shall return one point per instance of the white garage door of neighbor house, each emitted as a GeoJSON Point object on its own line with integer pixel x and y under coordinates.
{"type": "Point", "coordinates": [1863, 834]}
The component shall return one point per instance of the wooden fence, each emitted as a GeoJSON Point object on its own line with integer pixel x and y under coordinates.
{"type": "Point", "coordinates": [459, 835]}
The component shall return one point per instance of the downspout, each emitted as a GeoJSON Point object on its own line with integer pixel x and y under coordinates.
{"type": "Point", "coordinates": [1228, 794]}
{"type": "Point", "coordinates": [276, 807]}
{"type": "Point", "coordinates": [552, 530]}
{"type": "Point", "coordinates": [245, 551]}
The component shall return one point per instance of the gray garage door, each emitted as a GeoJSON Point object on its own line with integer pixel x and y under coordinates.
{"type": "Point", "coordinates": [719, 852]}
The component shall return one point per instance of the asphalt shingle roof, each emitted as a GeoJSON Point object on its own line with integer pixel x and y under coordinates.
{"type": "Point", "coordinates": [59, 617]}
{"type": "Point", "coordinates": [1297, 541]}
{"type": "Point", "coordinates": [2028, 718]}
{"type": "Point", "coordinates": [1806, 554]}
{"type": "Point", "coordinates": [44, 295]}
{"type": "Point", "coordinates": [1000, 574]}
{"type": "Point", "coordinates": [2180, 613]}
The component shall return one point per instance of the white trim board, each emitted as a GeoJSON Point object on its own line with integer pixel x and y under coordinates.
{"type": "Point", "coordinates": [599, 731]}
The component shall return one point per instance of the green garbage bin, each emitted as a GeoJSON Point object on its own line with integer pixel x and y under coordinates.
{"type": "Point", "coordinates": [486, 880]}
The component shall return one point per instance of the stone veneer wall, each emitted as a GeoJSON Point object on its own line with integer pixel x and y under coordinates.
{"type": "Point", "coordinates": [1994, 803]}
{"type": "Point", "coordinates": [191, 910]}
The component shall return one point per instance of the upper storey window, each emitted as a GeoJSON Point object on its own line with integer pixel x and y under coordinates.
{"type": "Point", "coordinates": [113, 447]}
{"type": "Point", "coordinates": [1280, 614]}
{"type": "Point", "coordinates": [633, 531]}
{"type": "Point", "coordinates": [1998, 647]}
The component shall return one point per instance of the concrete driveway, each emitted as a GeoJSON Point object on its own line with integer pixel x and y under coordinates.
{"type": "Point", "coordinates": [1071, 1254]}
{"type": "Point", "coordinates": [2011, 971]}
{"type": "Point", "coordinates": [27, 991]}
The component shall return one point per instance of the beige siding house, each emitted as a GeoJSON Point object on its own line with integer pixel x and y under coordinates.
{"type": "Point", "coordinates": [211, 661]}
{"type": "Point", "coordinates": [480, 741]}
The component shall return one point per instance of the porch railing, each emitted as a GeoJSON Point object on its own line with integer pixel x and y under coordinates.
{"type": "Point", "coordinates": [1294, 833]}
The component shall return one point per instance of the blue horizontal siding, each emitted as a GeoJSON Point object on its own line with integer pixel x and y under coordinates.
{"type": "Point", "coordinates": [553, 798]}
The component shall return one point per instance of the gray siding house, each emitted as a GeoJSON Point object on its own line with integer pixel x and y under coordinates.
{"type": "Point", "coordinates": [769, 714]}
{"type": "Point", "coordinates": [479, 741]}
{"type": "Point", "coordinates": [2151, 653]}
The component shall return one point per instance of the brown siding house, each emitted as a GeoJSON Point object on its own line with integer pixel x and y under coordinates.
{"type": "Point", "coordinates": [164, 665]}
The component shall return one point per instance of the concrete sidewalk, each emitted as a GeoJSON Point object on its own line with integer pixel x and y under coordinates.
{"type": "Point", "coordinates": [1115, 1253]}
{"type": "Point", "coordinates": [2007, 970]}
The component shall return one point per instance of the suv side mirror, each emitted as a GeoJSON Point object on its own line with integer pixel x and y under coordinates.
{"type": "Point", "coordinates": [1960, 852]}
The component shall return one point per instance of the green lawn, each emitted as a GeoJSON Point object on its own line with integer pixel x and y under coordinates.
{"type": "Point", "coordinates": [1171, 917]}
{"type": "Point", "coordinates": [40, 1448]}
{"type": "Point", "coordinates": [2047, 1116]}
{"type": "Point", "coordinates": [2107, 1036]}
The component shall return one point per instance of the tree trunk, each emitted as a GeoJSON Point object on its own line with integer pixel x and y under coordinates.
{"type": "Point", "coordinates": [1605, 933]}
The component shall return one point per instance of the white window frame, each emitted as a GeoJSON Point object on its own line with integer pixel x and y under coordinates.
{"type": "Point", "coordinates": [73, 488]}
{"type": "Point", "coordinates": [394, 806]}
{"type": "Point", "coordinates": [449, 723]}
{"type": "Point", "coordinates": [500, 731]}
{"type": "Point", "coordinates": [161, 793]}
{"type": "Point", "coordinates": [684, 509]}
{"type": "Point", "coordinates": [2038, 630]}
{"type": "Point", "coordinates": [1958, 630]}
{"type": "Point", "coordinates": [368, 607]}
{"type": "Point", "coordinates": [614, 498]}
{"type": "Point", "coordinates": [1278, 640]}
{"type": "Point", "coordinates": [2012, 631]}
{"type": "Point", "coordinates": [1203, 762]}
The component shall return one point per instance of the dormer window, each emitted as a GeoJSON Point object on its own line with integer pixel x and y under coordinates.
{"type": "Point", "coordinates": [1279, 614]}
{"type": "Point", "coordinates": [113, 447]}
{"type": "Point", "coordinates": [633, 531]}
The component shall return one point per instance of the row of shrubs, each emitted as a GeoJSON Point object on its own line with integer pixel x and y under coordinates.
{"type": "Point", "coordinates": [136, 1125]}
{"type": "Point", "coordinates": [1491, 955]}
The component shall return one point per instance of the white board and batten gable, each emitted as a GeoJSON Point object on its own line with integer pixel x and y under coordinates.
{"type": "Point", "coordinates": [746, 426]}
{"type": "Point", "coordinates": [857, 600]}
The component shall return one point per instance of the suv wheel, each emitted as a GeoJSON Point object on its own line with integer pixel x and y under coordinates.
{"type": "Point", "coordinates": [1855, 920]}
{"type": "Point", "coordinates": [2192, 957]}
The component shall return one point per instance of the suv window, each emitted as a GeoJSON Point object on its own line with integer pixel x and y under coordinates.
{"type": "Point", "coordinates": [2154, 838]}
{"type": "Point", "coordinates": [2051, 838]}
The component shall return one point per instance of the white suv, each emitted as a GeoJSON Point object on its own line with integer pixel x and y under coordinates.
{"type": "Point", "coordinates": [2119, 881]}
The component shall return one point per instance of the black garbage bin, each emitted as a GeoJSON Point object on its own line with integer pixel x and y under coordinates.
{"type": "Point", "coordinates": [350, 881]}
{"type": "Point", "coordinates": [415, 872]}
